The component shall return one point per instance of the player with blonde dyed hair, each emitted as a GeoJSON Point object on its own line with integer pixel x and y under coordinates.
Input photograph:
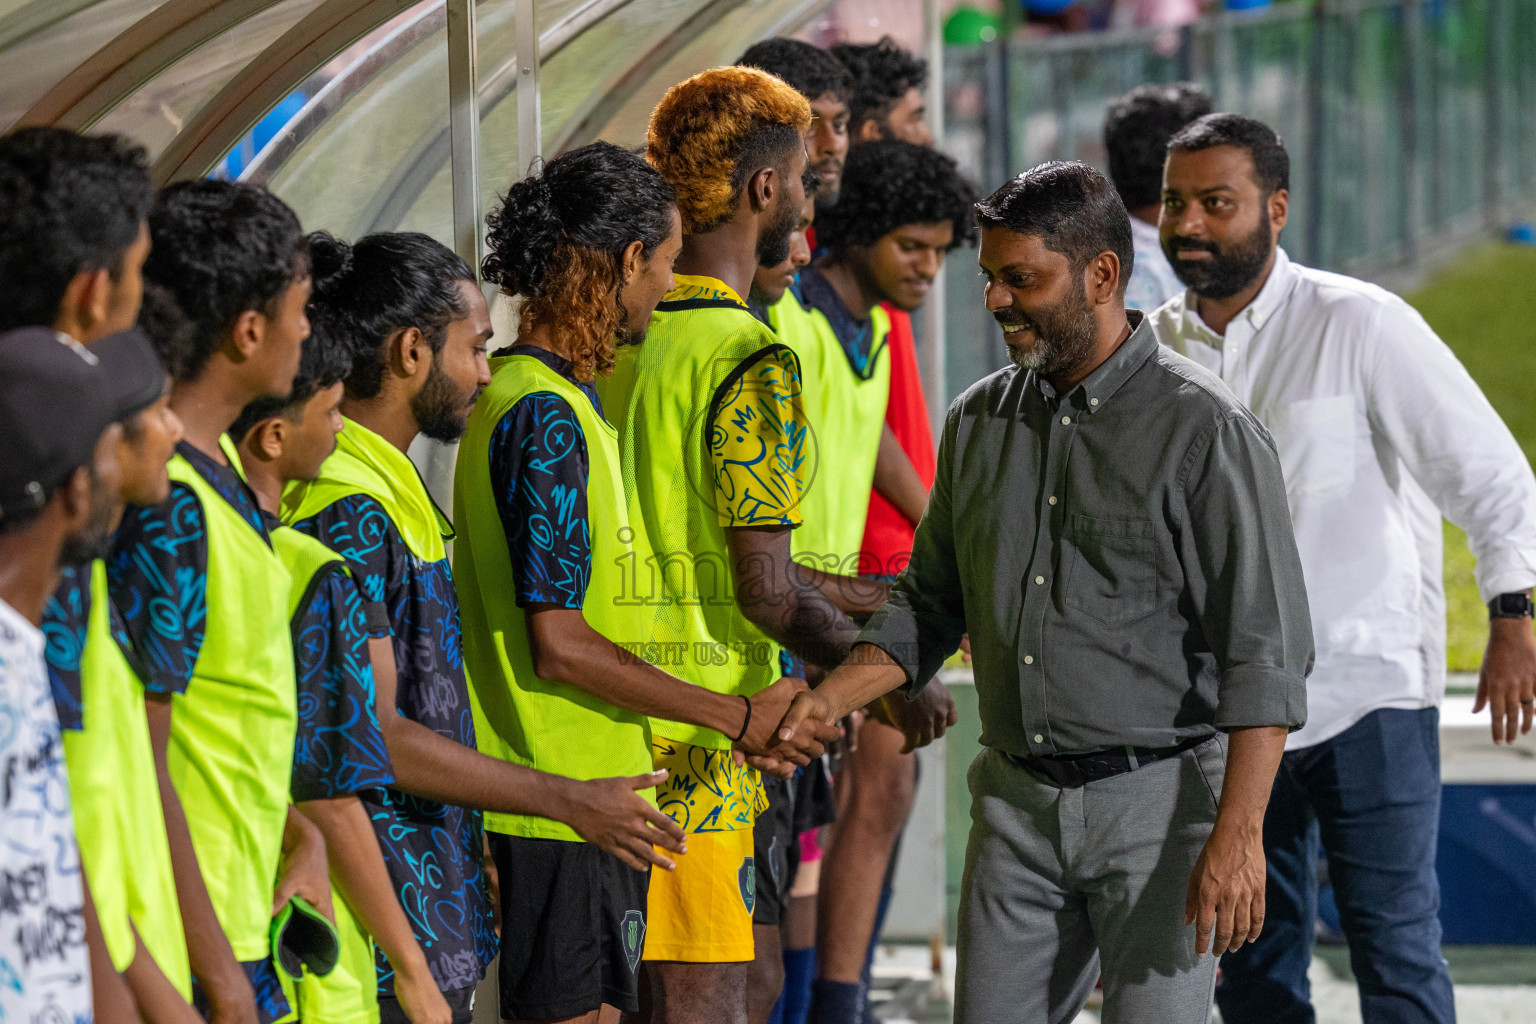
{"type": "Point", "coordinates": [714, 451]}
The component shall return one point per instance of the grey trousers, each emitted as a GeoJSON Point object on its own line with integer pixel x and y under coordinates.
{"type": "Point", "coordinates": [1063, 884]}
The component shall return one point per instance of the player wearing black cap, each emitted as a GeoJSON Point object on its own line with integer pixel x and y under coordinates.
{"type": "Point", "coordinates": [58, 496]}
{"type": "Point", "coordinates": [99, 697]}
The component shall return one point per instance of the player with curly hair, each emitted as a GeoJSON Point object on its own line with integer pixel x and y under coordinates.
{"type": "Point", "coordinates": [903, 208]}
{"type": "Point", "coordinates": [887, 99]}
{"type": "Point", "coordinates": [712, 444]}
{"type": "Point", "coordinates": [826, 85]}
{"type": "Point", "coordinates": [556, 643]}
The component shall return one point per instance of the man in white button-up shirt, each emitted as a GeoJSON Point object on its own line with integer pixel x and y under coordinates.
{"type": "Point", "coordinates": [1380, 432]}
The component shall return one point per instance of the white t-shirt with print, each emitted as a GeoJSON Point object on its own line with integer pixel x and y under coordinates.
{"type": "Point", "coordinates": [44, 970]}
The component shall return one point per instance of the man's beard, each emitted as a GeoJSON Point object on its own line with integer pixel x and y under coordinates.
{"type": "Point", "coordinates": [1230, 269]}
{"type": "Point", "coordinates": [1064, 334]}
{"type": "Point", "coordinates": [440, 407]}
{"type": "Point", "coordinates": [773, 243]}
{"type": "Point", "coordinates": [94, 538]}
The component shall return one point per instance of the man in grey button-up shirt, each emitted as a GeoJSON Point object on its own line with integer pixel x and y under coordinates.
{"type": "Point", "coordinates": [1110, 526]}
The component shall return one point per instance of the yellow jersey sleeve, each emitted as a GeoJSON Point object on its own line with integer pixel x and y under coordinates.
{"type": "Point", "coordinates": [757, 440]}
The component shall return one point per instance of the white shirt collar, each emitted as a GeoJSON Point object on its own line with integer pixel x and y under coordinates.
{"type": "Point", "coordinates": [1277, 289]}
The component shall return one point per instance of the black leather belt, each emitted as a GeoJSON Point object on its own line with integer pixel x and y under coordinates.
{"type": "Point", "coordinates": [1072, 770]}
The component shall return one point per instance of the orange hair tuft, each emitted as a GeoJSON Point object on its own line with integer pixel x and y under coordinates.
{"type": "Point", "coordinates": [700, 128]}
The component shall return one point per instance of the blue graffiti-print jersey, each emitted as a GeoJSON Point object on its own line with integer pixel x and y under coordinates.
{"type": "Point", "coordinates": [338, 750]}
{"type": "Point", "coordinates": [65, 620]}
{"type": "Point", "coordinates": [432, 850]}
{"type": "Point", "coordinates": [857, 337]}
{"type": "Point", "coordinates": [539, 472]}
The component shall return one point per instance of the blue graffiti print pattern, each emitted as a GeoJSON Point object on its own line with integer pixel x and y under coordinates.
{"type": "Point", "coordinates": [339, 749]}
{"type": "Point", "coordinates": [857, 337]}
{"type": "Point", "coordinates": [229, 485]}
{"type": "Point", "coordinates": [706, 790]}
{"type": "Point", "coordinates": [539, 472]}
{"type": "Point", "coordinates": [43, 964]}
{"type": "Point", "coordinates": [66, 618]}
{"type": "Point", "coordinates": [271, 1000]}
{"type": "Point", "coordinates": [758, 441]}
{"type": "Point", "coordinates": [432, 850]}
{"type": "Point", "coordinates": [158, 576]}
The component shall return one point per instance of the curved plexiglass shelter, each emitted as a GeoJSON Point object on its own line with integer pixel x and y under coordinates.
{"type": "Point", "coordinates": [366, 115]}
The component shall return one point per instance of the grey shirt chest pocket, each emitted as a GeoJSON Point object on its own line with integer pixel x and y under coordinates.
{"type": "Point", "coordinates": [1113, 573]}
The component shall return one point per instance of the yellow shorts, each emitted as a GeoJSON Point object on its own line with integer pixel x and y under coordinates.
{"type": "Point", "coordinates": [702, 912]}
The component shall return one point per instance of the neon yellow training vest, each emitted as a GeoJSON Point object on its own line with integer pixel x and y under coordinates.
{"type": "Point", "coordinates": [232, 731]}
{"type": "Point", "coordinates": [349, 994]}
{"type": "Point", "coordinates": [846, 411]}
{"type": "Point", "coordinates": [519, 717]}
{"type": "Point", "coordinates": [365, 463]}
{"type": "Point", "coordinates": [118, 818]}
{"type": "Point", "coordinates": [658, 397]}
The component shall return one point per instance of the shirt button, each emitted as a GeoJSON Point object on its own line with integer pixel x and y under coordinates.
{"type": "Point", "coordinates": [1066, 419]}
{"type": "Point", "coordinates": [1093, 401]}
{"type": "Point", "coordinates": [1029, 659]}
{"type": "Point", "coordinates": [1051, 499]}
{"type": "Point", "coordinates": [1039, 738]}
{"type": "Point", "coordinates": [1039, 579]}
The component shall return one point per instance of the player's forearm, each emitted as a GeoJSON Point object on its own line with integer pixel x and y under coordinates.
{"type": "Point", "coordinates": [359, 874]}
{"type": "Point", "coordinates": [805, 622]}
{"type": "Point", "coordinates": [896, 479]}
{"type": "Point", "coordinates": [158, 1000]}
{"type": "Point", "coordinates": [868, 674]}
{"type": "Point", "coordinates": [434, 767]}
{"type": "Point", "coordinates": [851, 595]}
{"type": "Point", "coordinates": [615, 671]}
{"type": "Point", "coordinates": [110, 999]}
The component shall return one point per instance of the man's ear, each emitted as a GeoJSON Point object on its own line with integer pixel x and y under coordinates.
{"type": "Point", "coordinates": [1279, 206]}
{"type": "Point", "coordinates": [869, 131]}
{"type": "Point", "coordinates": [632, 262]}
{"type": "Point", "coordinates": [248, 332]}
{"type": "Point", "coordinates": [1102, 277]}
{"type": "Point", "coordinates": [74, 497]}
{"type": "Point", "coordinates": [87, 299]}
{"type": "Point", "coordinates": [267, 437]}
{"type": "Point", "coordinates": [763, 188]}
{"type": "Point", "coordinates": [408, 353]}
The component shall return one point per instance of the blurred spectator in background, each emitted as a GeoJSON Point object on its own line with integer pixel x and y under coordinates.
{"type": "Point", "coordinates": [887, 101]}
{"type": "Point", "coordinates": [1137, 127]}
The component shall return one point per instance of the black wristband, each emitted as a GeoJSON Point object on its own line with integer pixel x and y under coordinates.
{"type": "Point", "coordinates": [747, 722]}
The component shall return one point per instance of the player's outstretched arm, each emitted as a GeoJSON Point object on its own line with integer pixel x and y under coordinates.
{"type": "Point", "coordinates": [609, 813]}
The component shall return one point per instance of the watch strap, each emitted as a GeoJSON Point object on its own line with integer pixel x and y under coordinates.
{"type": "Point", "coordinates": [1511, 606]}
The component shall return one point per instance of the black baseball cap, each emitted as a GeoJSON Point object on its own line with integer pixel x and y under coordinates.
{"type": "Point", "coordinates": [133, 369]}
{"type": "Point", "coordinates": [57, 397]}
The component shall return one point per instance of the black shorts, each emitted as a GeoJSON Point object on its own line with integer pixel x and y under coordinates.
{"type": "Point", "coordinates": [572, 928]}
{"type": "Point", "coordinates": [775, 853]}
{"type": "Point", "coordinates": [815, 801]}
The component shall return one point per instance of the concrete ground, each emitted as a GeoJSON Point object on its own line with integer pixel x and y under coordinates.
{"type": "Point", "coordinates": [1494, 985]}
